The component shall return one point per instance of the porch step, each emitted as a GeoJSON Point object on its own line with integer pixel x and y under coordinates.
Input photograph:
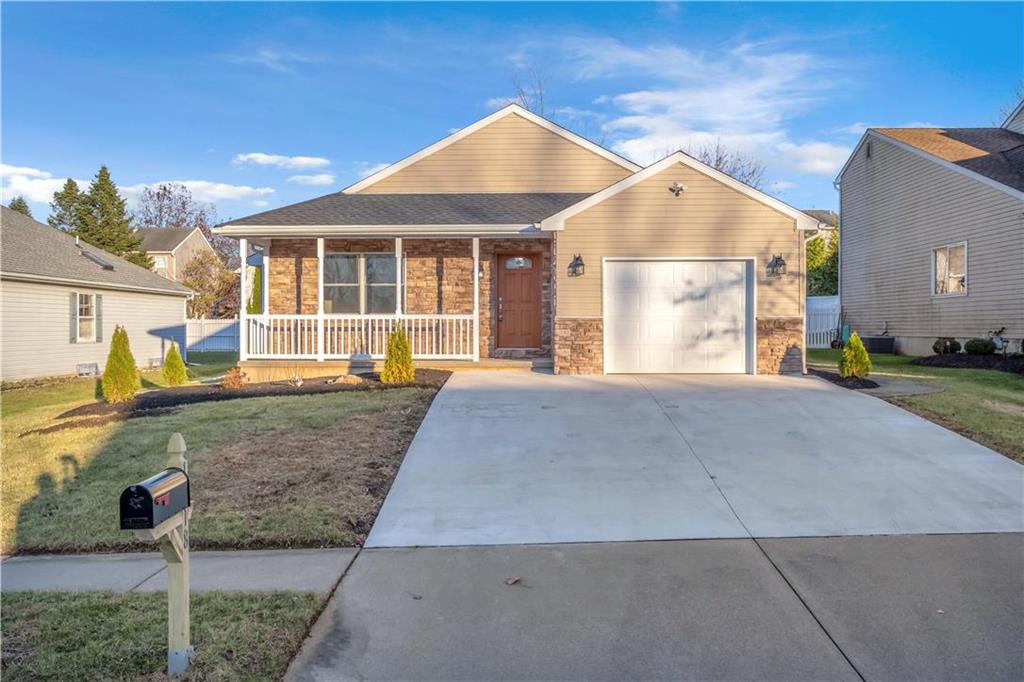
{"type": "Point", "coordinates": [258, 371]}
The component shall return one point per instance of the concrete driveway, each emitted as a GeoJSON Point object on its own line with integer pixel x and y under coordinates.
{"type": "Point", "coordinates": [509, 458]}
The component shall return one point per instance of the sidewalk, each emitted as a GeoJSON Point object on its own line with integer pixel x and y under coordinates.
{"type": "Point", "coordinates": [298, 570]}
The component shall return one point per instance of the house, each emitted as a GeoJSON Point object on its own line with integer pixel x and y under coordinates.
{"type": "Point", "coordinates": [172, 248]}
{"type": "Point", "coordinates": [61, 299]}
{"type": "Point", "coordinates": [933, 234]}
{"type": "Point", "coordinates": [514, 238]}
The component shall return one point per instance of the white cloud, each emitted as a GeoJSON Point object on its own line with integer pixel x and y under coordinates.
{"type": "Point", "coordinates": [815, 158]}
{"type": "Point", "coordinates": [205, 190]}
{"type": "Point", "coordinates": [35, 185]}
{"type": "Point", "coordinates": [495, 103]}
{"type": "Point", "coordinates": [273, 60]}
{"type": "Point", "coordinates": [779, 186]}
{"type": "Point", "coordinates": [7, 170]}
{"type": "Point", "coordinates": [318, 179]}
{"type": "Point", "coordinates": [281, 161]}
{"type": "Point", "coordinates": [366, 169]}
{"type": "Point", "coordinates": [857, 128]}
{"type": "Point", "coordinates": [860, 128]}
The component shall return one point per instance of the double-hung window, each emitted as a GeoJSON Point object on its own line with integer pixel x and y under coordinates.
{"type": "Point", "coordinates": [86, 318]}
{"type": "Point", "coordinates": [360, 283]}
{"type": "Point", "coordinates": [949, 270]}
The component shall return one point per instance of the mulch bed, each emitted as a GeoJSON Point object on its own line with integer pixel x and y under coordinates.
{"type": "Point", "coordinates": [845, 382]}
{"type": "Point", "coordinates": [162, 399]}
{"type": "Point", "coordinates": [1013, 364]}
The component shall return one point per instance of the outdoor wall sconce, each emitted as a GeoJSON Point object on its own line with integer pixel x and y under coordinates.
{"type": "Point", "coordinates": [677, 188]}
{"type": "Point", "coordinates": [576, 267]}
{"type": "Point", "coordinates": [776, 266]}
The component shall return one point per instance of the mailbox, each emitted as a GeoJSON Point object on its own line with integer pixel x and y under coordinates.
{"type": "Point", "coordinates": [147, 504]}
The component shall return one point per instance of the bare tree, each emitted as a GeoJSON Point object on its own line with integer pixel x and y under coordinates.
{"type": "Point", "coordinates": [529, 91]}
{"type": "Point", "coordinates": [171, 205]}
{"type": "Point", "coordinates": [1011, 105]}
{"type": "Point", "coordinates": [746, 169]}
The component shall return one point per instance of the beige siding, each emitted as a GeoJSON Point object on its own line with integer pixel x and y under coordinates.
{"type": "Point", "coordinates": [707, 220]}
{"type": "Point", "coordinates": [36, 329]}
{"type": "Point", "coordinates": [509, 155]}
{"type": "Point", "coordinates": [194, 244]}
{"type": "Point", "coordinates": [896, 207]}
{"type": "Point", "coordinates": [168, 271]}
{"type": "Point", "coordinates": [1016, 124]}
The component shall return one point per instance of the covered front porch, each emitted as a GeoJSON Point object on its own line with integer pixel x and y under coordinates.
{"type": "Point", "coordinates": [325, 299]}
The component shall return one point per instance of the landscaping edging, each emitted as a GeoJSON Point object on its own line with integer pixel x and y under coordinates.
{"type": "Point", "coordinates": [1014, 364]}
{"type": "Point", "coordinates": [846, 382]}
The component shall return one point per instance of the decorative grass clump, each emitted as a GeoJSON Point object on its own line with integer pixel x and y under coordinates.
{"type": "Point", "coordinates": [854, 361]}
{"type": "Point", "coordinates": [120, 376]}
{"type": "Point", "coordinates": [174, 371]}
{"type": "Point", "coordinates": [398, 368]}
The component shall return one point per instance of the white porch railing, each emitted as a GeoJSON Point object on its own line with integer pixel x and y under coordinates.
{"type": "Point", "coordinates": [345, 337]}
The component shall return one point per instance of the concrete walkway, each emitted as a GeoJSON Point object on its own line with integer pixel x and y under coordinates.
{"type": "Point", "coordinates": [299, 570]}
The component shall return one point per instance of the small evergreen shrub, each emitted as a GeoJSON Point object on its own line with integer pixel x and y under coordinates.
{"type": "Point", "coordinates": [945, 346]}
{"type": "Point", "coordinates": [854, 360]}
{"type": "Point", "coordinates": [120, 376]}
{"type": "Point", "coordinates": [233, 379]}
{"type": "Point", "coordinates": [398, 367]}
{"type": "Point", "coordinates": [174, 370]}
{"type": "Point", "coordinates": [980, 347]}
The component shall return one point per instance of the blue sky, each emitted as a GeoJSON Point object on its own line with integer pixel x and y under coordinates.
{"type": "Point", "coordinates": [261, 105]}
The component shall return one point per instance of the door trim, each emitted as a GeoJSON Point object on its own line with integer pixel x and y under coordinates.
{"type": "Point", "coordinates": [538, 259]}
{"type": "Point", "coordinates": [751, 273]}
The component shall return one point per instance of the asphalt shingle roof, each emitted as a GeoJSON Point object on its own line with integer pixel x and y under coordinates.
{"type": "Point", "coordinates": [418, 209]}
{"type": "Point", "coordinates": [34, 249]}
{"type": "Point", "coordinates": [996, 153]}
{"type": "Point", "coordinates": [162, 238]}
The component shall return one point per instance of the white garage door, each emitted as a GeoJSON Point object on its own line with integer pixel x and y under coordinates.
{"type": "Point", "coordinates": [676, 316]}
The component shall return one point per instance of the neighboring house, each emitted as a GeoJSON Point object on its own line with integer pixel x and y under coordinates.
{"type": "Point", "coordinates": [172, 248]}
{"type": "Point", "coordinates": [61, 299]}
{"type": "Point", "coordinates": [933, 234]}
{"type": "Point", "coordinates": [515, 238]}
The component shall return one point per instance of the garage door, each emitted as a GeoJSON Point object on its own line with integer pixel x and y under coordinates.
{"type": "Point", "coordinates": [677, 316]}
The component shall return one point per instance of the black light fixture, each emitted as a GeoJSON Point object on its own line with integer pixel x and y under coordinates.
{"type": "Point", "coordinates": [677, 188]}
{"type": "Point", "coordinates": [576, 267]}
{"type": "Point", "coordinates": [776, 266]}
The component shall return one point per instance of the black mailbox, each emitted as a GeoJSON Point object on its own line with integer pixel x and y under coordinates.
{"type": "Point", "coordinates": [147, 504]}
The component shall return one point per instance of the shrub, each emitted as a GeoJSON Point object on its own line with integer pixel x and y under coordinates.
{"type": "Point", "coordinates": [120, 376]}
{"type": "Point", "coordinates": [398, 367]}
{"type": "Point", "coordinates": [233, 379]}
{"type": "Point", "coordinates": [945, 345]}
{"type": "Point", "coordinates": [854, 360]}
{"type": "Point", "coordinates": [980, 347]}
{"type": "Point", "coordinates": [174, 370]}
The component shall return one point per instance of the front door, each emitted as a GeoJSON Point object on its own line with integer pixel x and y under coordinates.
{"type": "Point", "coordinates": [519, 300]}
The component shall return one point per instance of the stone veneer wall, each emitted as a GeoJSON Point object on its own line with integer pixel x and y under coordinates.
{"type": "Point", "coordinates": [438, 278]}
{"type": "Point", "coordinates": [579, 346]}
{"type": "Point", "coordinates": [780, 343]}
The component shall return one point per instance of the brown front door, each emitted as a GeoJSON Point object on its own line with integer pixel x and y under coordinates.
{"type": "Point", "coordinates": [519, 300]}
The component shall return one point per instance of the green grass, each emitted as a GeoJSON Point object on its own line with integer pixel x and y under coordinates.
{"type": "Point", "coordinates": [984, 405]}
{"type": "Point", "coordinates": [294, 471]}
{"type": "Point", "coordinates": [105, 636]}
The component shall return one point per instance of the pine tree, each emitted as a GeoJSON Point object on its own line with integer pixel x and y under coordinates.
{"type": "Point", "coordinates": [255, 305]}
{"type": "Point", "coordinates": [854, 360]}
{"type": "Point", "coordinates": [20, 205]}
{"type": "Point", "coordinates": [174, 371]}
{"type": "Point", "coordinates": [64, 207]}
{"type": "Point", "coordinates": [398, 367]}
{"type": "Point", "coordinates": [120, 376]}
{"type": "Point", "coordinates": [103, 222]}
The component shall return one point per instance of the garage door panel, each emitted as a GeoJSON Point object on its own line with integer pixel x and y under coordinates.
{"type": "Point", "coordinates": [676, 316]}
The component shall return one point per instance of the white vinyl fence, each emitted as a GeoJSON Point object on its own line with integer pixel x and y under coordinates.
{"type": "Point", "coordinates": [822, 320]}
{"type": "Point", "coordinates": [203, 335]}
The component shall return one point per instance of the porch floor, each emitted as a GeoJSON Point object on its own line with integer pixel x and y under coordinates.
{"type": "Point", "coordinates": [279, 370]}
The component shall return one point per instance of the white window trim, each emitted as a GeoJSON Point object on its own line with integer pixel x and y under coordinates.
{"type": "Point", "coordinates": [362, 284]}
{"type": "Point", "coordinates": [967, 278]}
{"type": "Point", "coordinates": [78, 318]}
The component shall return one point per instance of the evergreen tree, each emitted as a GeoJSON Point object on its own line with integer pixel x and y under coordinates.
{"type": "Point", "coordinates": [398, 367]}
{"type": "Point", "coordinates": [174, 371]}
{"type": "Point", "coordinates": [64, 207]}
{"type": "Point", "coordinates": [255, 305]}
{"type": "Point", "coordinates": [103, 222]}
{"type": "Point", "coordinates": [120, 376]}
{"type": "Point", "coordinates": [854, 360]}
{"type": "Point", "coordinates": [20, 205]}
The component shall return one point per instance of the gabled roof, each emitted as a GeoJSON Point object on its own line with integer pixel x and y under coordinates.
{"type": "Point", "coordinates": [36, 252]}
{"type": "Point", "coordinates": [385, 210]}
{"type": "Point", "coordinates": [511, 109]}
{"type": "Point", "coordinates": [163, 238]}
{"type": "Point", "coordinates": [993, 156]}
{"type": "Point", "coordinates": [557, 221]}
{"type": "Point", "coordinates": [1013, 114]}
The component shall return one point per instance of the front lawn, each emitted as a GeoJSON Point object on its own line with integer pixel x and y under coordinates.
{"type": "Point", "coordinates": [294, 471]}
{"type": "Point", "coordinates": [104, 636]}
{"type": "Point", "coordinates": [985, 405]}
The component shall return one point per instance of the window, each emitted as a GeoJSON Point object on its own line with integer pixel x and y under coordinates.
{"type": "Point", "coordinates": [949, 269]}
{"type": "Point", "coordinates": [519, 263]}
{"type": "Point", "coordinates": [160, 264]}
{"type": "Point", "coordinates": [86, 318]}
{"type": "Point", "coordinates": [360, 283]}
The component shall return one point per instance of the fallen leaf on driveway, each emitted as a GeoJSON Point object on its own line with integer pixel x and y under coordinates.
{"type": "Point", "coordinates": [512, 580]}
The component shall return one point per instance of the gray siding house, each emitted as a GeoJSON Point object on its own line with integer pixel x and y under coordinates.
{"type": "Point", "coordinates": [60, 300]}
{"type": "Point", "coordinates": [933, 234]}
